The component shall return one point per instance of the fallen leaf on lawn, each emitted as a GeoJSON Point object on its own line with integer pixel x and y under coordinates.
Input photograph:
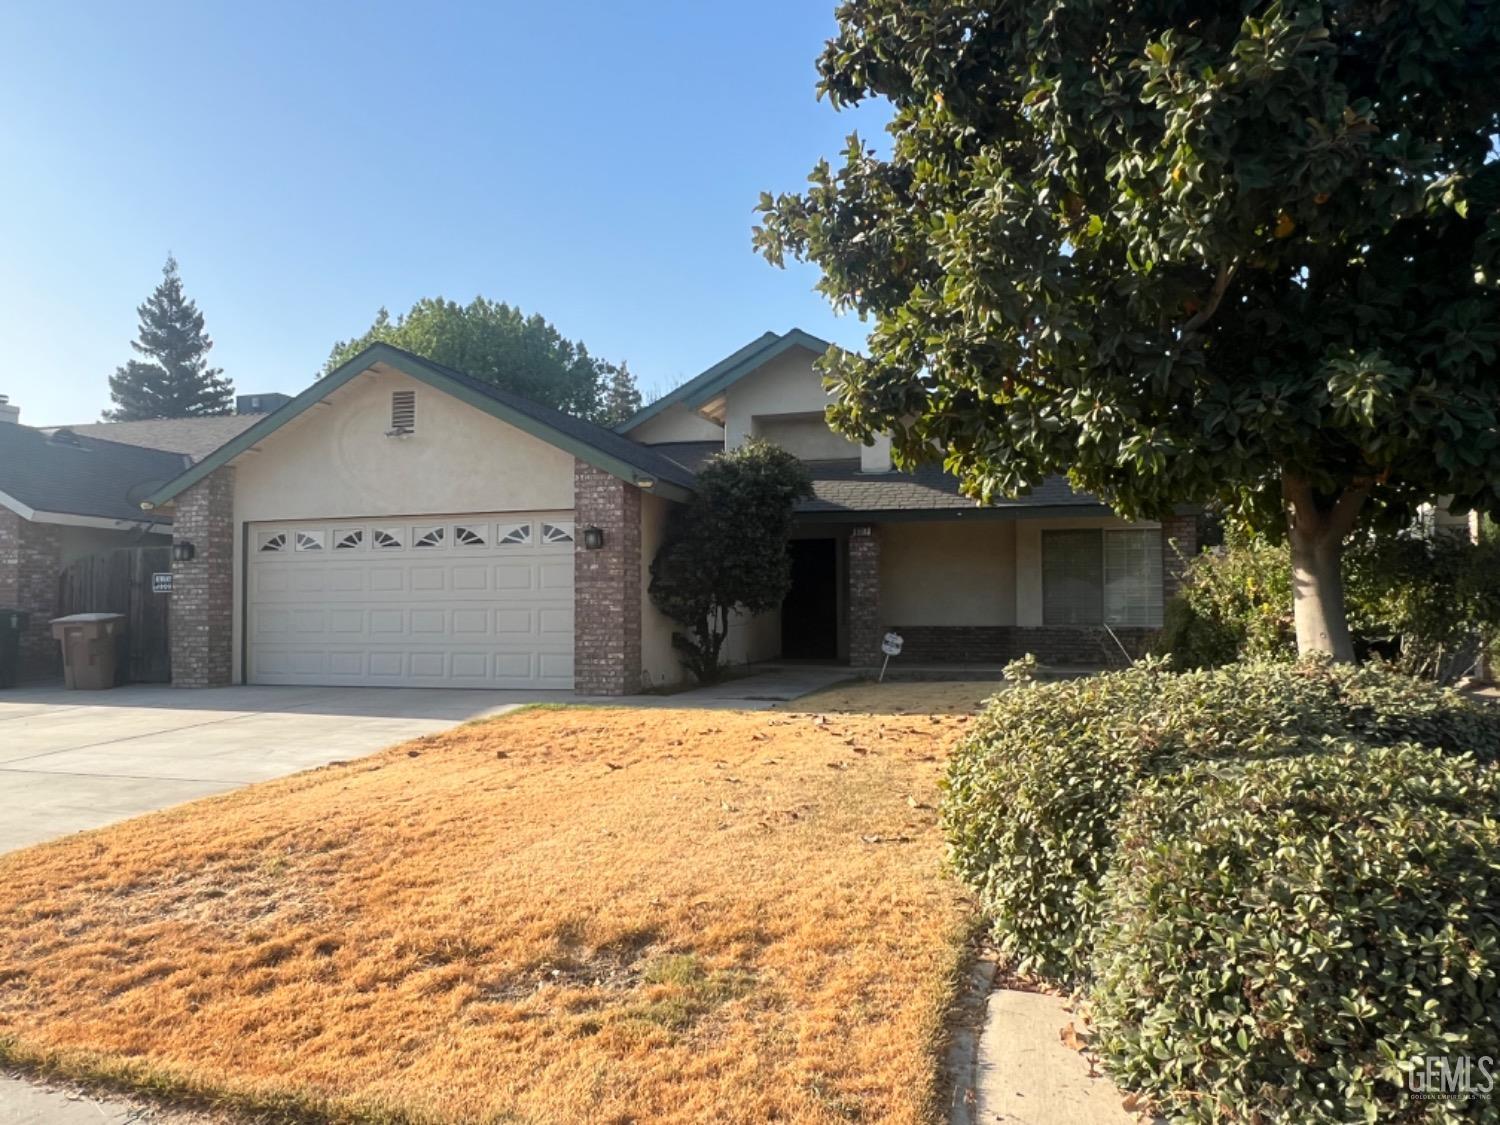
{"type": "Point", "coordinates": [613, 766]}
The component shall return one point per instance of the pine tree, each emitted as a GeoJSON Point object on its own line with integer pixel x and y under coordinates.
{"type": "Point", "coordinates": [622, 398]}
{"type": "Point", "coordinates": [175, 381]}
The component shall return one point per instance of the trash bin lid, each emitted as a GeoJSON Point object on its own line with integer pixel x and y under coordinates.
{"type": "Point", "coordinates": [81, 618]}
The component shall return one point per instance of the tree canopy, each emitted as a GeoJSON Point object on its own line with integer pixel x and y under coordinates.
{"type": "Point", "coordinates": [174, 379]}
{"type": "Point", "coordinates": [492, 341]}
{"type": "Point", "coordinates": [1236, 254]}
{"type": "Point", "coordinates": [724, 551]}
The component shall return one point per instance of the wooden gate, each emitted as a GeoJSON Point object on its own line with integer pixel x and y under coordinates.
{"type": "Point", "coordinates": [119, 581]}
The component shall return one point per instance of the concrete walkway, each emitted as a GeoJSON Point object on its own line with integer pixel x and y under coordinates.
{"type": "Point", "coordinates": [1027, 1074]}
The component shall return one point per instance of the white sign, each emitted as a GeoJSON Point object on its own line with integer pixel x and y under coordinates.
{"type": "Point", "coordinates": [891, 644]}
{"type": "Point", "coordinates": [161, 582]}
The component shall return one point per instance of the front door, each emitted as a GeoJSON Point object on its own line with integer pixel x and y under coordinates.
{"type": "Point", "coordinates": [810, 613]}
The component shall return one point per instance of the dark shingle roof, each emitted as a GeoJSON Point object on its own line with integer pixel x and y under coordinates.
{"type": "Point", "coordinates": [197, 437]}
{"type": "Point", "coordinates": [841, 488]}
{"type": "Point", "coordinates": [81, 476]}
{"type": "Point", "coordinates": [691, 455]}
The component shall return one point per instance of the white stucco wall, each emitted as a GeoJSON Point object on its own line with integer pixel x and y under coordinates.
{"type": "Point", "coordinates": [676, 423]}
{"type": "Point", "coordinates": [948, 573]}
{"type": "Point", "coordinates": [335, 461]}
{"type": "Point", "coordinates": [786, 385]}
{"type": "Point", "coordinates": [1029, 559]}
{"type": "Point", "coordinates": [807, 437]}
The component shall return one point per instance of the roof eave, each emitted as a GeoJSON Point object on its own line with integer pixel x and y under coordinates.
{"type": "Point", "coordinates": [418, 369]}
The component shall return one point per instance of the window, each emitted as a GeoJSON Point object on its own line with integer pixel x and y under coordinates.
{"type": "Point", "coordinates": [386, 538]}
{"type": "Point", "coordinates": [1102, 577]}
{"type": "Point", "coordinates": [557, 533]}
{"type": "Point", "coordinates": [272, 541]}
{"type": "Point", "coordinates": [427, 536]}
{"type": "Point", "coordinates": [351, 540]}
{"type": "Point", "coordinates": [513, 534]}
{"type": "Point", "coordinates": [309, 540]}
{"type": "Point", "coordinates": [403, 412]}
{"type": "Point", "coordinates": [469, 535]}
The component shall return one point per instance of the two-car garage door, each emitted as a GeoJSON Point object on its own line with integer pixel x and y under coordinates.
{"type": "Point", "coordinates": [460, 601]}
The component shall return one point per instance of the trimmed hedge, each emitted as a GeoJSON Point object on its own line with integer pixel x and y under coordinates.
{"type": "Point", "coordinates": [1286, 939]}
{"type": "Point", "coordinates": [1035, 792]}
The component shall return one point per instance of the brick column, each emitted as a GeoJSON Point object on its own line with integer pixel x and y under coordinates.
{"type": "Point", "coordinates": [864, 596]}
{"type": "Point", "coordinates": [202, 609]}
{"type": "Point", "coordinates": [30, 563]}
{"type": "Point", "coordinates": [1183, 531]}
{"type": "Point", "coordinates": [606, 585]}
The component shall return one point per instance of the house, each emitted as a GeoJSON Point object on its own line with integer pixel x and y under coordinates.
{"type": "Point", "coordinates": [67, 492]}
{"type": "Point", "coordinates": [401, 523]}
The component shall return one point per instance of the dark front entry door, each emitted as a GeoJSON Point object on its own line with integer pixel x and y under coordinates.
{"type": "Point", "coordinates": [810, 613]}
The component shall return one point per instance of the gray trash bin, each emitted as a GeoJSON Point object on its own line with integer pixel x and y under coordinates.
{"type": "Point", "coordinates": [88, 648]}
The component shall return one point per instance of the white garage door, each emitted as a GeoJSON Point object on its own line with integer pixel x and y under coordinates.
{"type": "Point", "coordinates": [463, 601]}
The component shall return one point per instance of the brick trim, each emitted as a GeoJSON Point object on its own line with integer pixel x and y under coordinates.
{"type": "Point", "coordinates": [865, 629]}
{"type": "Point", "coordinates": [606, 584]}
{"type": "Point", "coordinates": [998, 644]}
{"type": "Point", "coordinates": [1183, 532]}
{"type": "Point", "coordinates": [202, 609]}
{"type": "Point", "coordinates": [30, 565]}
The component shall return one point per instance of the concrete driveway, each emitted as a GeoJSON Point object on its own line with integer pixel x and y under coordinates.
{"type": "Point", "coordinates": [74, 760]}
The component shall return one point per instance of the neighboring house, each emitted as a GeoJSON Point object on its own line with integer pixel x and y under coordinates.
{"type": "Point", "coordinates": [401, 523]}
{"type": "Point", "coordinates": [67, 492]}
{"type": "Point", "coordinates": [62, 497]}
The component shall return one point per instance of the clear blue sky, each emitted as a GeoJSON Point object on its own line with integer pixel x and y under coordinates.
{"type": "Point", "coordinates": [307, 163]}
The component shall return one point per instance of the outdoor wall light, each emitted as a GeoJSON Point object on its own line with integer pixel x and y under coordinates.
{"type": "Point", "coordinates": [183, 552]}
{"type": "Point", "coordinates": [593, 538]}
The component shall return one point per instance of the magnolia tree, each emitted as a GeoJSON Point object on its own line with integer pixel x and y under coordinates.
{"type": "Point", "coordinates": [725, 549]}
{"type": "Point", "coordinates": [1241, 254]}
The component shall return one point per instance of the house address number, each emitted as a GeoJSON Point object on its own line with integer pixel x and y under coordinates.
{"type": "Point", "coordinates": [161, 582]}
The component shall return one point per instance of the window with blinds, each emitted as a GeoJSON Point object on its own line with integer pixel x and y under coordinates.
{"type": "Point", "coordinates": [1109, 577]}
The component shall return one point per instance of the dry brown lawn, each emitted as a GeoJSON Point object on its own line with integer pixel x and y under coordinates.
{"type": "Point", "coordinates": [559, 915]}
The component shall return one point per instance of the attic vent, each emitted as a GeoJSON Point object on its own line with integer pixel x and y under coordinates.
{"type": "Point", "coordinates": [403, 412]}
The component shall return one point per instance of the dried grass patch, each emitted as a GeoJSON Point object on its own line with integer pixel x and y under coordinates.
{"type": "Point", "coordinates": [560, 915]}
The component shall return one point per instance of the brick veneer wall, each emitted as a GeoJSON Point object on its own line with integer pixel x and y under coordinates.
{"type": "Point", "coordinates": [1183, 532]}
{"type": "Point", "coordinates": [202, 609]}
{"type": "Point", "coordinates": [606, 585]}
{"type": "Point", "coordinates": [865, 629]}
{"type": "Point", "coordinates": [30, 562]}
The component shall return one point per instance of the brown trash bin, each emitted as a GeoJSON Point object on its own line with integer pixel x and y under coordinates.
{"type": "Point", "coordinates": [88, 648]}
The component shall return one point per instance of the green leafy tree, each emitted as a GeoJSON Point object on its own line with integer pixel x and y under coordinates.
{"type": "Point", "coordinates": [725, 550]}
{"type": "Point", "coordinates": [499, 344]}
{"type": "Point", "coordinates": [1183, 252]}
{"type": "Point", "coordinates": [621, 396]}
{"type": "Point", "coordinates": [173, 380]}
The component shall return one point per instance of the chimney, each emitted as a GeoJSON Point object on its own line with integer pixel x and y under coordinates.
{"type": "Point", "coordinates": [260, 404]}
{"type": "Point", "coordinates": [9, 413]}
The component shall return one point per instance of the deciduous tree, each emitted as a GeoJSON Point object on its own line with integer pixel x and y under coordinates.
{"type": "Point", "coordinates": [1184, 252]}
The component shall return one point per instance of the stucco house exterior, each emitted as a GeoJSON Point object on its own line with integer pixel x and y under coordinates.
{"type": "Point", "coordinates": [401, 523]}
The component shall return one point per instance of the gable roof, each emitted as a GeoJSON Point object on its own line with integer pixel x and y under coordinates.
{"type": "Point", "coordinates": [732, 368]}
{"type": "Point", "coordinates": [841, 490]}
{"type": "Point", "coordinates": [62, 473]}
{"type": "Point", "coordinates": [196, 437]}
{"type": "Point", "coordinates": [593, 444]}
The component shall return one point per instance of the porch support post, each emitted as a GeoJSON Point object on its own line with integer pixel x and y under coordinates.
{"type": "Point", "coordinates": [1179, 543]}
{"type": "Point", "coordinates": [606, 584]}
{"type": "Point", "coordinates": [864, 596]}
{"type": "Point", "coordinates": [201, 614]}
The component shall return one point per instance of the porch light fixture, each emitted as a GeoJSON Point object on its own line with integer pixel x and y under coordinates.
{"type": "Point", "coordinates": [593, 538]}
{"type": "Point", "coordinates": [183, 551]}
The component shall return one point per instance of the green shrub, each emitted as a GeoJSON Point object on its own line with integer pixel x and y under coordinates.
{"type": "Point", "coordinates": [1283, 939]}
{"type": "Point", "coordinates": [1424, 601]}
{"type": "Point", "coordinates": [1035, 791]}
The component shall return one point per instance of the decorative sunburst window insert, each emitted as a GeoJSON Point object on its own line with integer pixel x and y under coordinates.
{"type": "Point", "coordinates": [428, 536]}
{"type": "Point", "coordinates": [310, 540]}
{"type": "Point", "coordinates": [469, 535]}
{"type": "Point", "coordinates": [351, 540]}
{"type": "Point", "coordinates": [386, 538]}
{"type": "Point", "coordinates": [557, 533]}
{"type": "Point", "coordinates": [271, 541]}
{"type": "Point", "coordinates": [513, 534]}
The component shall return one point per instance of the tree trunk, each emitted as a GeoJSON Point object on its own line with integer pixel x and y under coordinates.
{"type": "Point", "coordinates": [1317, 532]}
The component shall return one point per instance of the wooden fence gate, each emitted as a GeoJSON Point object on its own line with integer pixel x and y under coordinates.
{"type": "Point", "coordinates": [119, 581]}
